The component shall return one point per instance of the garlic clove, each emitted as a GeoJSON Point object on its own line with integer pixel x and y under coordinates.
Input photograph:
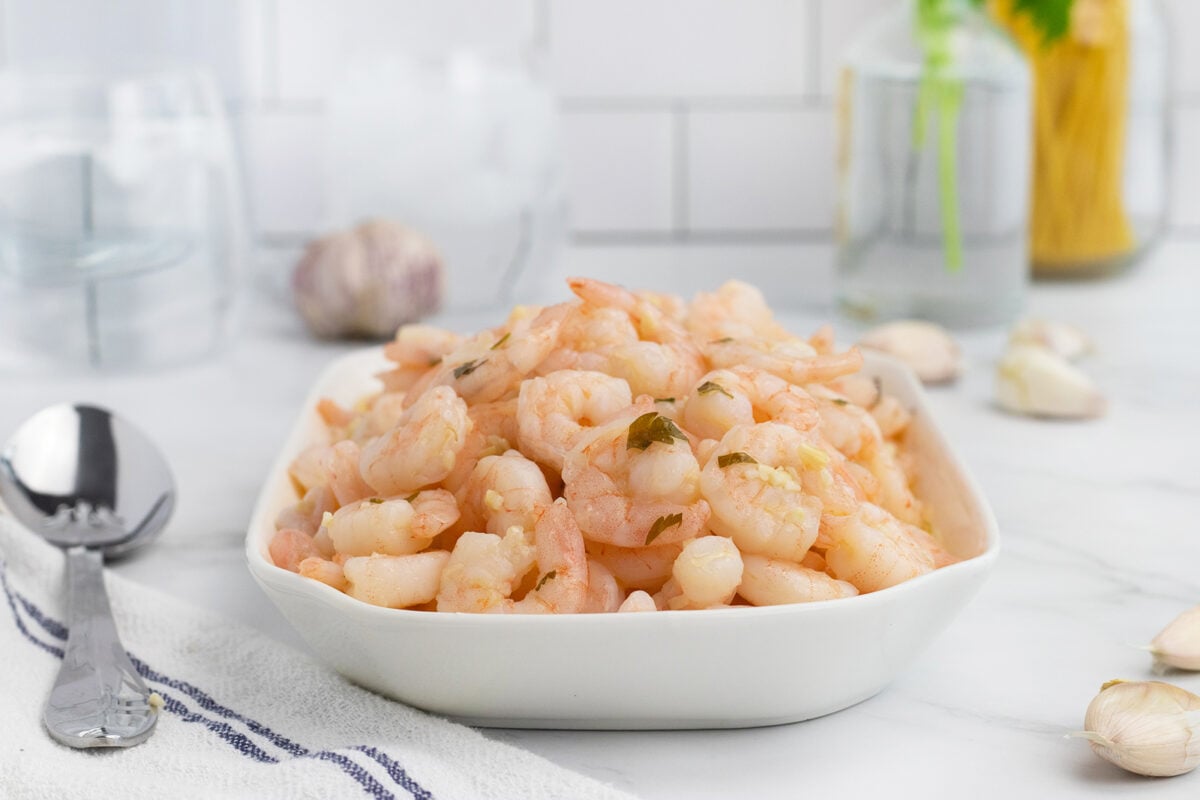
{"type": "Point", "coordinates": [1147, 727]}
{"type": "Point", "coordinates": [1178, 645]}
{"type": "Point", "coordinates": [1035, 381]}
{"type": "Point", "coordinates": [368, 281]}
{"type": "Point", "coordinates": [1060, 337]}
{"type": "Point", "coordinates": [924, 346]}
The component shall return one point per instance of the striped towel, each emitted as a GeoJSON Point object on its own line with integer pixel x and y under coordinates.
{"type": "Point", "coordinates": [244, 716]}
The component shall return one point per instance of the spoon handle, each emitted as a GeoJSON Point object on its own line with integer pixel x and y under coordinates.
{"type": "Point", "coordinates": [98, 700]}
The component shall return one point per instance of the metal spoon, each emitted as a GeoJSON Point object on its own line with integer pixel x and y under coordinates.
{"type": "Point", "coordinates": [94, 485]}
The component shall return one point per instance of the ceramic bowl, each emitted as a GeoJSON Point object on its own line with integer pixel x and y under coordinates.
{"type": "Point", "coordinates": [720, 668]}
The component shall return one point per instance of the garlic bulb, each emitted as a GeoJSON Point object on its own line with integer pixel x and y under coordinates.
{"type": "Point", "coordinates": [925, 347]}
{"type": "Point", "coordinates": [1068, 341]}
{"type": "Point", "coordinates": [368, 281]}
{"type": "Point", "coordinates": [1148, 727]}
{"type": "Point", "coordinates": [1178, 645]}
{"type": "Point", "coordinates": [1033, 380]}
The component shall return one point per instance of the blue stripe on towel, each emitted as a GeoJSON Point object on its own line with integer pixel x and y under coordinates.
{"type": "Point", "coordinates": [239, 741]}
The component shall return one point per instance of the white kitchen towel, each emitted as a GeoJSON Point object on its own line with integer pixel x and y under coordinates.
{"type": "Point", "coordinates": [245, 716]}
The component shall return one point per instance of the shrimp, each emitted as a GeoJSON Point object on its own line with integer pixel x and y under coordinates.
{"type": "Point", "coordinates": [484, 568]}
{"type": "Point", "coordinates": [705, 575]}
{"type": "Point", "coordinates": [415, 350]}
{"type": "Point", "coordinates": [664, 361]}
{"type": "Point", "coordinates": [288, 547]}
{"type": "Point", "coordinates": [793, 360]}
{"type": "Point", "coordinates": [753, 484]}
{"type": "Point", "coordinates": [306, 514]}
{"type": "Point", "coordinates": [634, 480]}
{"type": "Point", "coordinates": [734, 310]}
{"type": "Point", "coordinates": [603, 592]}
{"type": "Point", "coordinates": [586, 332]}
{"type": "Point", "coordinates": [646, 568]}
{"type": "Point", "coordinates": [490, 366]}
{"type": "Point", "coordinates": [638, 601]}
{"type": "Point", "coordinates": [395, 581]}
{"type": "Point", "coordinates": [422, 449]}
{"type": "Point", "coordinates": [327, 572]}
{"type": "Point", "coordinates": [503, 491]}
{"type": "Point", "coordinates": [742, 396]}
{"type": "Point", "coordinates": [770, 582]}
{"type": "Point", "coordinates": [392, 527]}
{"type": "Point", "coordinates": [553, 411]}
{"type": "Point", "coordinates": [493, 431]}
{"type": "Point", "coordinates": [873, 550]}
{"type": "Point", "coordinates": [335, 466]}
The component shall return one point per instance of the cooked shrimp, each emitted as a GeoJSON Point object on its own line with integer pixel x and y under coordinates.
{"type": "Point", "coordinates": [503, 491]}
{"type": "Point", "coordinates": [742, 396]}
{"type": "Point", "coordinates": [395, 581]}
{"type": "Point", "coordinates": [484, 569]}
{"type": "Point", "coordinates": [770, 582]}
{"type": "Point", "coordinates": [603, 592]}
{"type": "Point", "coordinates": [664, 361]}
{"type": "Point", "coordinates": [306, 514]}
{"type": "Point", "coordinates": [645, 568]}
{"type": "Point", "coordinates": [634, 480]}
{"type": "Point", "coordinates": [753, 483]}
{"type": "Point", "coordinates": [638, 601]}
{"type": "Point", "coordinates": [793, 360]}
{"type": "Point", "coordinates": [891, 416]}
{"type": "Point", "coordinates": [873, 550]}
{"type": "Point", "coordinates": [327, 572]}
{"type": "Point", "coordinates": [493, 431]}
{"type": "Point", "coordinates": [707, 573]}
{"type": "Point", "coordinates": [392, 527]}
{"type": "Point", "coordinates": [734, 310]}
{"type": "Point", "coordinates": [421, 450]}
{"type": "Point", "coordinates": [490, 366]}
{"type": "Point", "coordinates": [553, 411]}
{"type": "Point", "coordinates": [288, 547]}
{"type": "Point", "coordinates": [416, 350]}
{"type": "Point", "coordinates": [334, 466]}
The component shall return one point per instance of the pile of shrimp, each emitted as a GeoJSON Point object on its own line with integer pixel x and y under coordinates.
{"type": "Point", "coordinates": [624, 451]}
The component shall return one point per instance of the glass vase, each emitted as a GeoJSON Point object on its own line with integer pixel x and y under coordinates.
{"type": "Point", "coordinates": [934, 164]}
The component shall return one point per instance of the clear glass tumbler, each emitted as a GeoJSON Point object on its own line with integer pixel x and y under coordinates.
{"type": "Point", "coordinates": [934, 170]}
{"type": "Point", "coordinates": [123, 240]}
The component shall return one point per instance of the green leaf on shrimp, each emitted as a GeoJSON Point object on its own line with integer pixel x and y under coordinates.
{"type": "Point", "coordinates": [501, 342]}
{"type": "Point", "coordinates": [661, 524]}
{"type": "Point", "coordinates": [708, 387]}
{"type": "Point", "coordinates": [735, 458]}
{"type": "Point", "coordinates": [466, 369]}
{"type": "Point", "coordinates": [664, 400]}
{"type": "Point", "coordinates": [841, 401]}
{"type": "Point", "coordinates": [548, 576]}
{"type": "Point", "coordinates": [375, 500]}
{"type": "Point", "coordinates": [652, 427]}
{"type": "Point", "coordinates": [726, 340]}
{"type": "Point", "coordinates": [433, 362]}
{"type": "Point", "coordinates": [411, 497]}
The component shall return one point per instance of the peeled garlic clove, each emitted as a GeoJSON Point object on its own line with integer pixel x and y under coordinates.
{"type": "Point", "coordinates": [925, 347]}
{"type": "Point", "coordinates": [1178, 645]}
{"type": "Point", "coordinates": [1033, 380]}
{"type": "Point", "coordinates": [1148, 727]}
{"type": "Point", "coordinates": [1068, 341]}
{"type": "Point", "coordinates": [368, 281]}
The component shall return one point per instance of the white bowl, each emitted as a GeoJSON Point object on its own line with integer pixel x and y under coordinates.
{"type": "Point", "coordinates": [721, 668]}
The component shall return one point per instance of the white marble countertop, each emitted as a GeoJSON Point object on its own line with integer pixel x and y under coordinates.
{"type": "Point", "coordinates": [1100, 547]}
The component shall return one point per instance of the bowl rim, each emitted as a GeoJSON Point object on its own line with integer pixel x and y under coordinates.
{"type": "Point", "coordinates": [285, 581]}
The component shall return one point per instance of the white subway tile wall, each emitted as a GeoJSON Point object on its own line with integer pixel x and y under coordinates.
{"type": "Point", "coordinates": [689, 120]}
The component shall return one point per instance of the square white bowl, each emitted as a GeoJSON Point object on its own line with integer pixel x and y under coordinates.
{"type": "Point", "coordinates": [720, 668]}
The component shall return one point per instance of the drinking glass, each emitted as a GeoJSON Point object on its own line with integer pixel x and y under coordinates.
{"type": "Point", "coordinates": [122, 226]}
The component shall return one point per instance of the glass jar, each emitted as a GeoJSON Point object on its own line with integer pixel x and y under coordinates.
{"type": "Point", "coordinates": [934, 162]}
{"type": "Point", "coordinates": [1100, 136]}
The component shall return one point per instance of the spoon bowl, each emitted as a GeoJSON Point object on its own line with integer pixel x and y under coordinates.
{"type": "Point", "coordinates": [89, 482]}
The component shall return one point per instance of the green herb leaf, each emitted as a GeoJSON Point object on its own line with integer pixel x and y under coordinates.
{"type": "Point", "coordinates": [661, 524]}
{"type": "Point", "coordinates": [652, 427]}
{"type": "Point", "coordinates": [725, 340]}
{"type": "Point", "coordinates": [841, 401]}
{"type": "Point", "coordinates": [1051, 17]}
{"type": "Point", "coordinates": [735, 458]}
{"type": "Point", "coordinates": [433, 362]}
{"type": "Point", "coordinates": [412, 497]}
{"type": "Point", "coordinates": [375, 500]}
{"type": "Point", "coordinates": [665, 400]}
{"type": "Point", "coordinates": [708, 387]}
{"type": "Point", "coordinates": [501, 342]}
{"type": "Point", "coordinates": [549, 575]}
{"type": "Point", "coordinates": [469, 367]}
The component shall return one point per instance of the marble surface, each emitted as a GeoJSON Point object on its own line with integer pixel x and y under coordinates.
{"type": "Point", "coordinates": [1099, 522]}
